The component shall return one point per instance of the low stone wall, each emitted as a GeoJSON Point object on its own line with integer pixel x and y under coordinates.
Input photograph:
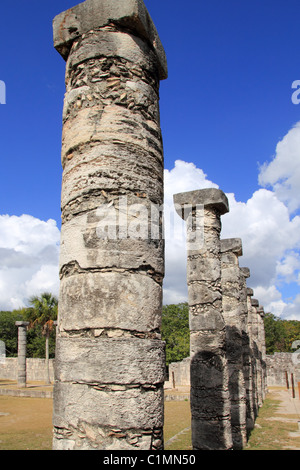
{"type": "Point", "coordinates": [35, 369]}
{"type": "Point", "coordinates": [277, 366]}
{"type": "Point", "coordinates": [179, 374]}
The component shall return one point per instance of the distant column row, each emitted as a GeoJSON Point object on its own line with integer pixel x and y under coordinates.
{"type": "Point", "coordinates": [227, 346]}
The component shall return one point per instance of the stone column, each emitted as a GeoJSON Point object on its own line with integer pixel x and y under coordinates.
{"type": "Point", "coordinates": [262, 342]}
{"type": "Point", "coordinates": [233, 309]}
{"type": "Point", "coordinates": [247, 351]}
{"type": "Point", "coordinates": [210, 403]}
{"type": "Point", "coordinates": [22, 342]}
{"type": "Point", "coordinates": [253, 355]}
{"type": "Point", "coordinates": [256, 351]}
{"type": "Point", "coordinates": [109, 377]}
{"type": "Point", "coordinates": [261, 353]}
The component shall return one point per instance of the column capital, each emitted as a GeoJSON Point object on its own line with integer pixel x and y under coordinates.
{"type": "Point", "coordinates": [261, 311]}
{"type": "Point", "coordinates": [249, 292]}
{"type": "Point", "coordinates": [22, 323]}
{"type": "Point", "coordinates": [132, 15]}
{"type": "Point", "coordinates": [245, 272]}
{"type": "Point", "coordinates": [254, 303]}
{"type": "Point", "coordinates": [233, 245]}
{"type": "Point", "coordinates": [209, 197]}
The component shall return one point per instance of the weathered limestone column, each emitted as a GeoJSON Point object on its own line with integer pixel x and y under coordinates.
{"type": "Point", "coordinates": [247, 351]}
{"type": "Point", "coordinates": [210, 401]}
{"type": "Point", "coordinates": [262, 342]}
{"type": "Point", "coordinates": [22, 342]}
{"type": "Point", "coordinates": [109, 377]}
{"type": "Point", "coordinates": [233, 309]}
{"type": "Point", "coordinates": [256, 351]}
{"type": "Point", "coordinates": [253, 354]}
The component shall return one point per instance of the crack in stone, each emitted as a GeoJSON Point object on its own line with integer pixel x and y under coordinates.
{"type": "Point", "coordinates": [111, 333]}
{"type": "Point", "coordinates": [73, 268]}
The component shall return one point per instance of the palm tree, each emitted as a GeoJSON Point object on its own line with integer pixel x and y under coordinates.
{"type": "Point", "coordinates": [43, 311]}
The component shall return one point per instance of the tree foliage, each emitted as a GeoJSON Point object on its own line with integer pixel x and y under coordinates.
{"type": "Point", "coordinates": [9, 331]}
{"type": "Point", "coordinates": [175, 332]}
{"type": "Point", "coordinates": [42, 311]}
{"type": "Point", "coordinates": [41, 315]}
{"type": "Point", "coordinates": [280, 334]}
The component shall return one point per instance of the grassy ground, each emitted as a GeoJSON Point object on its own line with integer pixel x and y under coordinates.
{"type": "Point", "coordinates": [26, 424]}
{"type": "Point", "coordinates": [177, 430]}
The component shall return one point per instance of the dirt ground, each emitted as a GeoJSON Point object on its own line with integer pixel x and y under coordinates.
{"type": "Point", "coordinates": [288, 405]}
{"type": "Point", "coordinates": [278, 421]}
{"type": "Point", "coordinates": [288, 411]}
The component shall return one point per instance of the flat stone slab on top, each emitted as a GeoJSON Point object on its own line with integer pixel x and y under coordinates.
{"type": "Point", "coordinates": [206, 197]}
{"type": "Point", "coordinates": [245, 272]}
{"type": "Point", "coordinates": [132, 15]}
{"type": "Point", "coordinates": [232, 245]}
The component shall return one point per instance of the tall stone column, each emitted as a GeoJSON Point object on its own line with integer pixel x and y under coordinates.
{"type": "Point", "coordinates": [233, 310]}
{"type": "Point", "coordinates": [261, 314]}
{"type": "Point", "coordinates": [253, 355]}
{"type": "Point", "coordinates": [109, 376]}
{"type": "Point", "coordinates": [247, 351]}
{"type": "Point", "coordinates": [257, 351]}
{"type": "Point", "coordinates": [210, 402]}
{"type": "Point", "coordinates": [260, 351]}
{"type": "Point", "coordinates": [22, 343]}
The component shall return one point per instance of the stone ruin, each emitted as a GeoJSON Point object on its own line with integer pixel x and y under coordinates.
{"type": "Point", "coordinates": [110, 369]}
{"type": "Point", "coordinates": [110, 360]}
{"type": "Point", "coordinates": [227, 346]}
{"type": "Point", "coordinates": [22, 348]}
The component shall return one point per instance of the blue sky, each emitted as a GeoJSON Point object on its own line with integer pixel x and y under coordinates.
{"type": "Point", "coordinates": [224, 109]}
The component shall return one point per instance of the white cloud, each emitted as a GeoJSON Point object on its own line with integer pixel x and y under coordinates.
{"type": "Point", "coordinates": [29, 247]}
{"type": "Point", "coordinates": [183, 177]}
{"type": "Point", "coordinates": [271, 298]}
{"type": "Point", "coordinates": [291, 310]}
{"type": "Point", "coordinates": [29, 252]}
{"type": "Point", "coordinates": [270, 236]}
{"type": "Point", "coordinates": [288, 268]}
{"type": "Point", "coordinates": [283, 172]}
{"type": "Point", "coordinates": [267, 232]}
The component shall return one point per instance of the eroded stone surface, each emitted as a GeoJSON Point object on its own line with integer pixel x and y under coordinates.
{"type": "Point", "coordinates": [108, 392]}
{"type": "Point", "coordinates": [110, 300]}
{"type": "Point", "coordinates": [233, 310]}
{"type": "Point", "coordinates": [104, 360]}
{"type": "Point", "coordinates": [210, 401]}
{"type": "Point", "coordinates": [91, 14]}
